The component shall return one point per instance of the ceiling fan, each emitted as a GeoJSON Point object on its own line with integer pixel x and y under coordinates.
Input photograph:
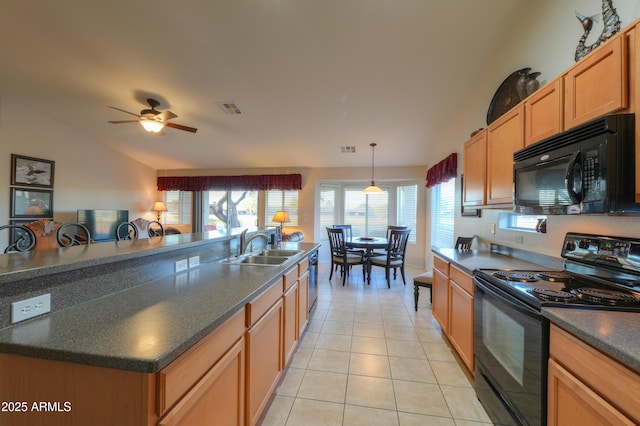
{"type": "Point", "coordinates": [153, 120]}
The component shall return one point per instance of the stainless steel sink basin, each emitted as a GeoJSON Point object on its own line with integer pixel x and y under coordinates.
{"type": "Point", "coordinates": [280, 252]}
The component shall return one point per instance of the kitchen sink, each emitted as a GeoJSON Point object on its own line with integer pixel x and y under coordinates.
{"type": "Point", "coordinates": [279, 252]}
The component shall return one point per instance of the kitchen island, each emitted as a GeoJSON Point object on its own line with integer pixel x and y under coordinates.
{"type": "Point", "coordinates": [150, 350]}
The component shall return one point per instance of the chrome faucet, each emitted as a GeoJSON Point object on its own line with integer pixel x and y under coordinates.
{"type": "Point", "coordinates": [244, 240]}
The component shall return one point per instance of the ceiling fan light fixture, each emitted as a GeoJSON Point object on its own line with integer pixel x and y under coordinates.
{"type": "Point", "coordinates": [152, 126]}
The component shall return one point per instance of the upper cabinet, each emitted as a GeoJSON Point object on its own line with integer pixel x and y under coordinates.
{"type": "Point", "coordinates": [543, 113]}
{"type": "Point", "coordinates": [475, 170]}
{"type": "Point", "coordinates": [598, 84]}
{"type": "Point", "coordinates": [504, 137]}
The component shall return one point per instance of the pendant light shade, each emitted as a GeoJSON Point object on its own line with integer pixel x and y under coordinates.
{"type": "Point", "coordinates": [373, 188]}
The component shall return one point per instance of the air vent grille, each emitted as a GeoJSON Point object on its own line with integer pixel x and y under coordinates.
{"type": "Point", "coordinates": [229, 108]}
{"type": "Point", "coordinates": [348, 149]}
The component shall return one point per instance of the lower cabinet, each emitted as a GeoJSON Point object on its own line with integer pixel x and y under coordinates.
{"type": "Point", "coordinates": [453, 307]}
{"type": "Point", "coordinates": [586, 387]}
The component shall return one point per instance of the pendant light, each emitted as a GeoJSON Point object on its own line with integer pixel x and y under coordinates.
{"type": "Point", "coordinates": [372, 189]}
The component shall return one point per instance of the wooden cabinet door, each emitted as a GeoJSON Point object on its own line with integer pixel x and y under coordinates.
{"type": "Point", "coordinates": [217, 399]}
{"type": "Point", "coordinates": [303, 302]}
{"type": "Point", "coordinates": [543, 113]}
{"type": "Point", "coordinates": [264, 360]}
{"type": "Point", "coordinates": [461, 314]}
{"type": "Point", "coordinates": [475, 170]}
{"type": "Point", "coordinates": [440, 301]}
{"type": "Point", "coordinates": [290, 330]}
{"type": "Point", "coordinates": [571, 402]}
{"type": "Point", "coordinates": [504, 137]}
{"type": "Point", "coordinates": [598, 84]}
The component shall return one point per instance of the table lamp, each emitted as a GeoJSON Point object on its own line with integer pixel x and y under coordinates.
{"type": "Point", "coordinates": [159, 206]}
{"type": "Point", "coordinates": [282, 217]}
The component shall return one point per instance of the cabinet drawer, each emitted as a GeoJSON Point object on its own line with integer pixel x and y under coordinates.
{"type": "Point", "coordinates": [289, 278]}
{"type": "Point", "coordinates": [616, 383]}
{"type": "Point", "coordinates": [441, 264]}
{"type": "Point", "coordinates": [303, 266]}
{"type": "Point", "coordinates": [261, 304]}
{"type": "Point", "coordinates": [178, 377]}
{"type": "Point", "coordinates": [464, 280]}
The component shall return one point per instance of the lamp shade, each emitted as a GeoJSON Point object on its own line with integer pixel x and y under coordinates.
{"type": "Point", "coordinates": [372, 189]}
{"type": "Point", "coordinates": [281, 216]}
{"type": "Point", "coordinates": [159, 206]}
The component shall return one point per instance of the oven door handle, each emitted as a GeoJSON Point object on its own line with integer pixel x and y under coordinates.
{"type": "Point", "coordinates": [509, 300]}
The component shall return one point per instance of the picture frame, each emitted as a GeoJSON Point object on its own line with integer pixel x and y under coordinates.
{"type": "Point", "coordinates": [466, 211]}
{"type": "Point", "coordinates": [30, 171]}
{"type": "Point", "coordinates": [31, 203]}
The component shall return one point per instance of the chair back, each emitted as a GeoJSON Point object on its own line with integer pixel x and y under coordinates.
{"type": "Point", "coordinates": [80, 236]}
{"type": "Point", "coordinates": [139, 228]}
{"type": "Point", "coordinates": [464, 243]}
{"type": "Point", "coordinates": [392, 227]}
{"type": "Point", "coordinates": [336, 241]}
{"type": "Point", "coordinates": [21, 238]}
{"type": "Point", "coordinates": [397, 245]}
{"type": "Point", "coordinates": [348, 231]}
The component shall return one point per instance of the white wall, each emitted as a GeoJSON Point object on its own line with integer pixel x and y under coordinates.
{"type": "Point", "coordinates": [88, 175]}
{"type": "Point", "coordinates": [545, 40]}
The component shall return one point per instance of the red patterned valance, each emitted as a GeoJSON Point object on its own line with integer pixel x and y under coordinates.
{"type": "Point", "coordinates": [230, 183]}
{"type": "Point", "coordinates": [443, 171]}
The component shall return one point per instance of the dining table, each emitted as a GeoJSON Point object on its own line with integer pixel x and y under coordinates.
{"type": "Point", "coordinates": [368, 244]}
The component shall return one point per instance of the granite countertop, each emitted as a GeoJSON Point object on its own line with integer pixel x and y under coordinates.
{"type": "Point", "coordinates": [470, 260]}
{"type": "Point", "coordinates": [613, 332]}
{"type": "Point", "coordinates": [145, 327]}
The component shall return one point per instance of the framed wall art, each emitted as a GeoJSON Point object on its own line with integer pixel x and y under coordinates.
{"type": "Point", "coordinates": [29, 171]}
{"type": "Point", "coordinates": [32, 203]}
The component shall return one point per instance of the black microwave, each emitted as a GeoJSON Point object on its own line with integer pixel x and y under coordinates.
{"type": "Point", "coordinates": [588, 169]}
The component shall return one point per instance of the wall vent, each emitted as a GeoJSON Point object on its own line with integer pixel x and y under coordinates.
{"type": "Point", "coordinates": [229, 108]}
{"type": "Point", "coordinates": [348, 149]}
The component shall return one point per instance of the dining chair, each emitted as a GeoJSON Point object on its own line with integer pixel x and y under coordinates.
{"type": "Point", "coordinates": [45, 234]}
{"type": "Point", "coordinates": [139, 228]}
{"type": "Point", "coordinates": [464, 243]}
{"type": "Point", "coordinates": [389, 229]}
{"type": "Point", "coordinates": [340, 256]}
{"type": "Point", "coordinates": [348, 235]}
{"type": "Point", "coordinates": [20, 238]}
{"type": "Point", "coordinates": [394, 258]}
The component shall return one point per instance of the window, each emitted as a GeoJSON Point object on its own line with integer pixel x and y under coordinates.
{"type": "Point", "coordinates": [443, 213]}
{"type": "Point", "coordinates": [368, 214]}
{"type": "Point", "coordinates": [520, 222]}
{"type": "Point", "coordinates": [407, 199]}
{"type": "Point", "coordinates": [328, 207]}
{"type": "Point", "coordinates": [281, 200]}
{"type": "Point", "coordinates": [230, 209]}
{"type": "Point", "coordinates": [178, 207]}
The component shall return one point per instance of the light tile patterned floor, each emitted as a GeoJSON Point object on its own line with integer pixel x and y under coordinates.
{"type": "Point", "coordinates": [367, 358]}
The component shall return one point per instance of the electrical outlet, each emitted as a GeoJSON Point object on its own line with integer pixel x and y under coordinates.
{"type": "Point", "coordinates": [30, 308]}
{"type": "Point", "coordinates": [493, 228]}
{"type": "Point", "coordinates": [182, 265]}
{"type": "Point", "coordinates": [194, 261]}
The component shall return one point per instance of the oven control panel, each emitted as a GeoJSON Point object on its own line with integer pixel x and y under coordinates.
{"type": "Point", "coordinates": [617, 252]}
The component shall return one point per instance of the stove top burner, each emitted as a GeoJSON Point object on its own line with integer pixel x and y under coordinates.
{"type": "Point", "coordinates": [605, 296]}
{"type": "Point", "coordinates": [515, 276]}
{"type": "Point", "coordinates": [554, 276]}
{"type": "Point", "coordinates": [552, 295]}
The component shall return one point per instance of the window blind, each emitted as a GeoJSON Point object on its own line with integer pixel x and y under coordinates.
{"type": "Point", "coordinates": [442, 214]}
{"type": "Point", "coordinates": [281, 200]}
{"type": "Point", "coordinates": [407, 207]}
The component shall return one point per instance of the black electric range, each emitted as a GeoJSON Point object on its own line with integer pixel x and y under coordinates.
{"type": "Point", "coordinates": [599, 273]}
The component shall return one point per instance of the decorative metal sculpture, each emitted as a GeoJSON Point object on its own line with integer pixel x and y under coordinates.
{"type": "Point", "coordinates": [611, 22]}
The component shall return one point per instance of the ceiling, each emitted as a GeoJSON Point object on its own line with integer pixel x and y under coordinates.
{"type": "Point", "coordinates": [309, 76]}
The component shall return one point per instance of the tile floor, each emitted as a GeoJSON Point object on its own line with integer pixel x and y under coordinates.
{"type": "Point", "coordinates": [367, 358]}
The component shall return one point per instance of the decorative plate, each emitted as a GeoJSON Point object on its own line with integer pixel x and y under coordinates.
{"type": "Point", "coordinates": [367, 238]}
{"type": "Point", "coordinates": [506, 96]}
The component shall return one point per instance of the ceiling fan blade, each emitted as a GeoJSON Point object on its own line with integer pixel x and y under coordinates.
{"type": "Point", "coordinates": [126, 112]}
{"type": "Point", "coordinates": [166, 115]}
{"type": "Point", "coordinates": [123, 121]}
{"type": "Point", "coordinates": [181, 127]}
